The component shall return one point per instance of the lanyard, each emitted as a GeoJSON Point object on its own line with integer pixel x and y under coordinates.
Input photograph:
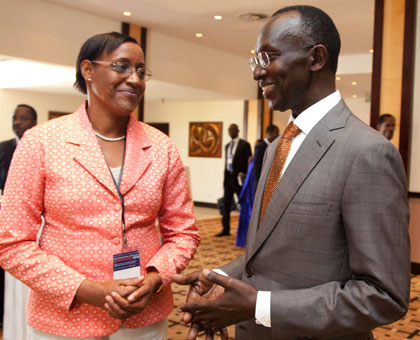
{"type": "Point", "coordinates": [121, 197]}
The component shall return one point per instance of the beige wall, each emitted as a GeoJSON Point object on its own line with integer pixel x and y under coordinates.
{"type": "Point", "coordinates": [42, 103]}
{"type": "Point", "coordinates": [43, 31]}
{"type": "Point", "coordinates": [414, 164]}
{"type": "Point", "coordinates": [206, 174]}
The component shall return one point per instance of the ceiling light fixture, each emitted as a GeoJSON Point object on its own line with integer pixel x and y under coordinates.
{"type": "Point", "coordinates": [337, 78]}
{"type": "Point", "coordinates": [250, 16]}
{"type": "Point", "coordinates": [253, 51]}
{"type": "Point", "coordinates": [354, 96]}
{"type": "Point", "coordinates": [199, 35]}
{"type": "Point", "coordinates": [218, 17]}
{"type": "Point", "coordinates": [127, 13]}
{"type": "Point", "coordinates": [354, 83]}
{"type": "Point", "coordinates": [371, 51]}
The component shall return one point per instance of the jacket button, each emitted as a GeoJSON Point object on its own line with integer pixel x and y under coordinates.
{"type": "Point", "coordinates": [249, 271]}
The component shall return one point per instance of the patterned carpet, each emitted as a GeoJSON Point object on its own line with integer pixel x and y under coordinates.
{"type": "Point", "coordinates": [215, 251]}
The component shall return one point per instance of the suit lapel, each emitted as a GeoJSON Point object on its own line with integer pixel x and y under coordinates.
{"type": "Point", "coordinates": [137, 155]}
{"type": "Point", "coordinates": [314, 147]}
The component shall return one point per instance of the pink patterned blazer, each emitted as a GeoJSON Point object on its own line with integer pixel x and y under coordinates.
{"type": "Point", "coordinates": [59, 171]}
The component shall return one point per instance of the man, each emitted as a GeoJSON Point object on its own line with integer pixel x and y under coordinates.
{"type": "Point", "coordinates": [23, 118]}
{"type": "Point", "coordinates": [329, 257]}
{"type": "Point", "coordinates": [237, 153]}
{"type": "Point", "coordinates": [386, 125]}
{"type": "Point", "coordinates": [271, 133]}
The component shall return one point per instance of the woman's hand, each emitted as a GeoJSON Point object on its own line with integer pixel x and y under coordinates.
{"type": "Point", "coordinates": [95, 293]}
{"type": "Point", "coordinates": [118, 304]}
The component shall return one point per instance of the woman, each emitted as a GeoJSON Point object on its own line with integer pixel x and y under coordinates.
{"type": "Point", "coordinates": [100, 179]}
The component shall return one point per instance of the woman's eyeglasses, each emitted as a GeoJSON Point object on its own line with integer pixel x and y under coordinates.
{"type": "Point", "coordinates": [126, 70]}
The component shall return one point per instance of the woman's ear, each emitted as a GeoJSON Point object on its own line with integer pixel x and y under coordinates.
{"type": "Point", "coordinates": [87, 70]}
{"type": "Point", "coordinates": [319, 57]}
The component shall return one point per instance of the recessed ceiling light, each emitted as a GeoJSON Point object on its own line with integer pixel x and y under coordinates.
{"type": "Point", "coordinates": [337, 78]}
{"type": "Point", "coordinates": [199, 35]}
{"type": "Point", "coordinates": [354, 83]}
{"type": "Point", "coordinates": [371, 51]}
{"type": "Point", "coordinates": [253, 51]}
{"type": "Point", "coordinates": [127, 13]}
{"type": "Point", "coordinates": [218, 17]}
{"type": "Point", "coordinates": [354, 96]}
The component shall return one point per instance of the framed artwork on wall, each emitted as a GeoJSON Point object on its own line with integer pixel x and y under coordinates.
{"type": "Point", "coordinates": [205, 139]}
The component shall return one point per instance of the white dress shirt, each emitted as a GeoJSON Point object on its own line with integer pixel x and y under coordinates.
{"type": "Point", "coordinates": [230, 153]}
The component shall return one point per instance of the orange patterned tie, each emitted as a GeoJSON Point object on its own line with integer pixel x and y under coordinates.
{"type": "Point", "coordinates": [282, 151]}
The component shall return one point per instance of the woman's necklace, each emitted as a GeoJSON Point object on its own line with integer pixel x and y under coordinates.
{"type": "Point", "coordinates": [108, 139]}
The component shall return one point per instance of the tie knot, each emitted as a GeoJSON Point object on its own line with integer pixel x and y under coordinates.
{"type": "Point", "coordinates": [291, 131]}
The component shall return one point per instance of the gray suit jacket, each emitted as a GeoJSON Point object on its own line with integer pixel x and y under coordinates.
{"type": "Point", "coordinates": [333, 246]}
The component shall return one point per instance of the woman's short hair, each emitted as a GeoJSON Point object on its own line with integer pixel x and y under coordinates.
{"type": "Point", "coordinates": [93, 49]}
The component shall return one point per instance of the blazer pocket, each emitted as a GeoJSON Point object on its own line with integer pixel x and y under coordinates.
{"type": "Point", "coordinates": [307, 208]}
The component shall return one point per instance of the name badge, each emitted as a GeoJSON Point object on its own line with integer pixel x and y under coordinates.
{"type": "Point", "coordinates": [126, 265]}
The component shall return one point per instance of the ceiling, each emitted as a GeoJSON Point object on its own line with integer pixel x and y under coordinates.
{"type": "Point", "coordinates": [183, 18]}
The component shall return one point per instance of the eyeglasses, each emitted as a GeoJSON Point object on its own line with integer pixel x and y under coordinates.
{"type": "Point", "coordinates": [126, 70]}
{"type": "Point", "coordinates": [264, 58]}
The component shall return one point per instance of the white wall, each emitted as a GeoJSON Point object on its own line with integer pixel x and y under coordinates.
{"type": "Point", "coordinates": [206, 174]}
{"type": "Point", "coordinates": [43, 31]}
{"type": "Point", "coordinates": [182, 62]}
{"type": "Point", "coordinates": [360, 108]}
{"type": "Point", "coordinates": [41, 102]}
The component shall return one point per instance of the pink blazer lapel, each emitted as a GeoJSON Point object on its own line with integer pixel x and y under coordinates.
{"type": "Point", "coordinates": [89, 154]}
{"type": "Point", "coordinates": [137, 155]}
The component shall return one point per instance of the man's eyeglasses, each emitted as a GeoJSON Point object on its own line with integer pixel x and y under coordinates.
{"type": "Point", "coordinates": [125, 70]}
{"type": "Point", "coordinates": [264, 58]}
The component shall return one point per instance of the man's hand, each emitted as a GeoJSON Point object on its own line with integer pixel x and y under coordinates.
{"type": "Point", "coordinates": [200, 290]}
{"type": "Point", "coordinates": [236, 304]}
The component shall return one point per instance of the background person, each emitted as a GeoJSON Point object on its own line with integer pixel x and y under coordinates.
{"type": "Point", "coordinates": [328, 251]}
{"type": "Point", "coordinates": [237, 153]}
{"type": "Point", "coordinates": [24, 117]}
{"type": "Point", "coordinates": [100, 179]}
{"type": "Point", "coordinates": [271, 133]}
{"type": "Point", "coordinates": [386, 125]}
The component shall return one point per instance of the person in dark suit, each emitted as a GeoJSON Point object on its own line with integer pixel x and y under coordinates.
{"type": "Point", "coordinates": [271, 133]}
{"type": "Point", "coordinates": [24, 117]}
{"type": "Point", "coordinates": [328, 249]}
{"type": "Point", "coordinates": [236, 165]}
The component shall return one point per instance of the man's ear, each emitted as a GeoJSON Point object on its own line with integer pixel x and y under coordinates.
{"type": "Point", "coordinates": [87, 69]}
{"type": "Point", "coordinates": [319, 57]}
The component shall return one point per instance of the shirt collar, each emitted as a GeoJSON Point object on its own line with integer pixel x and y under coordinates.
{"type": "Point", "coordinates": [313, 114]}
